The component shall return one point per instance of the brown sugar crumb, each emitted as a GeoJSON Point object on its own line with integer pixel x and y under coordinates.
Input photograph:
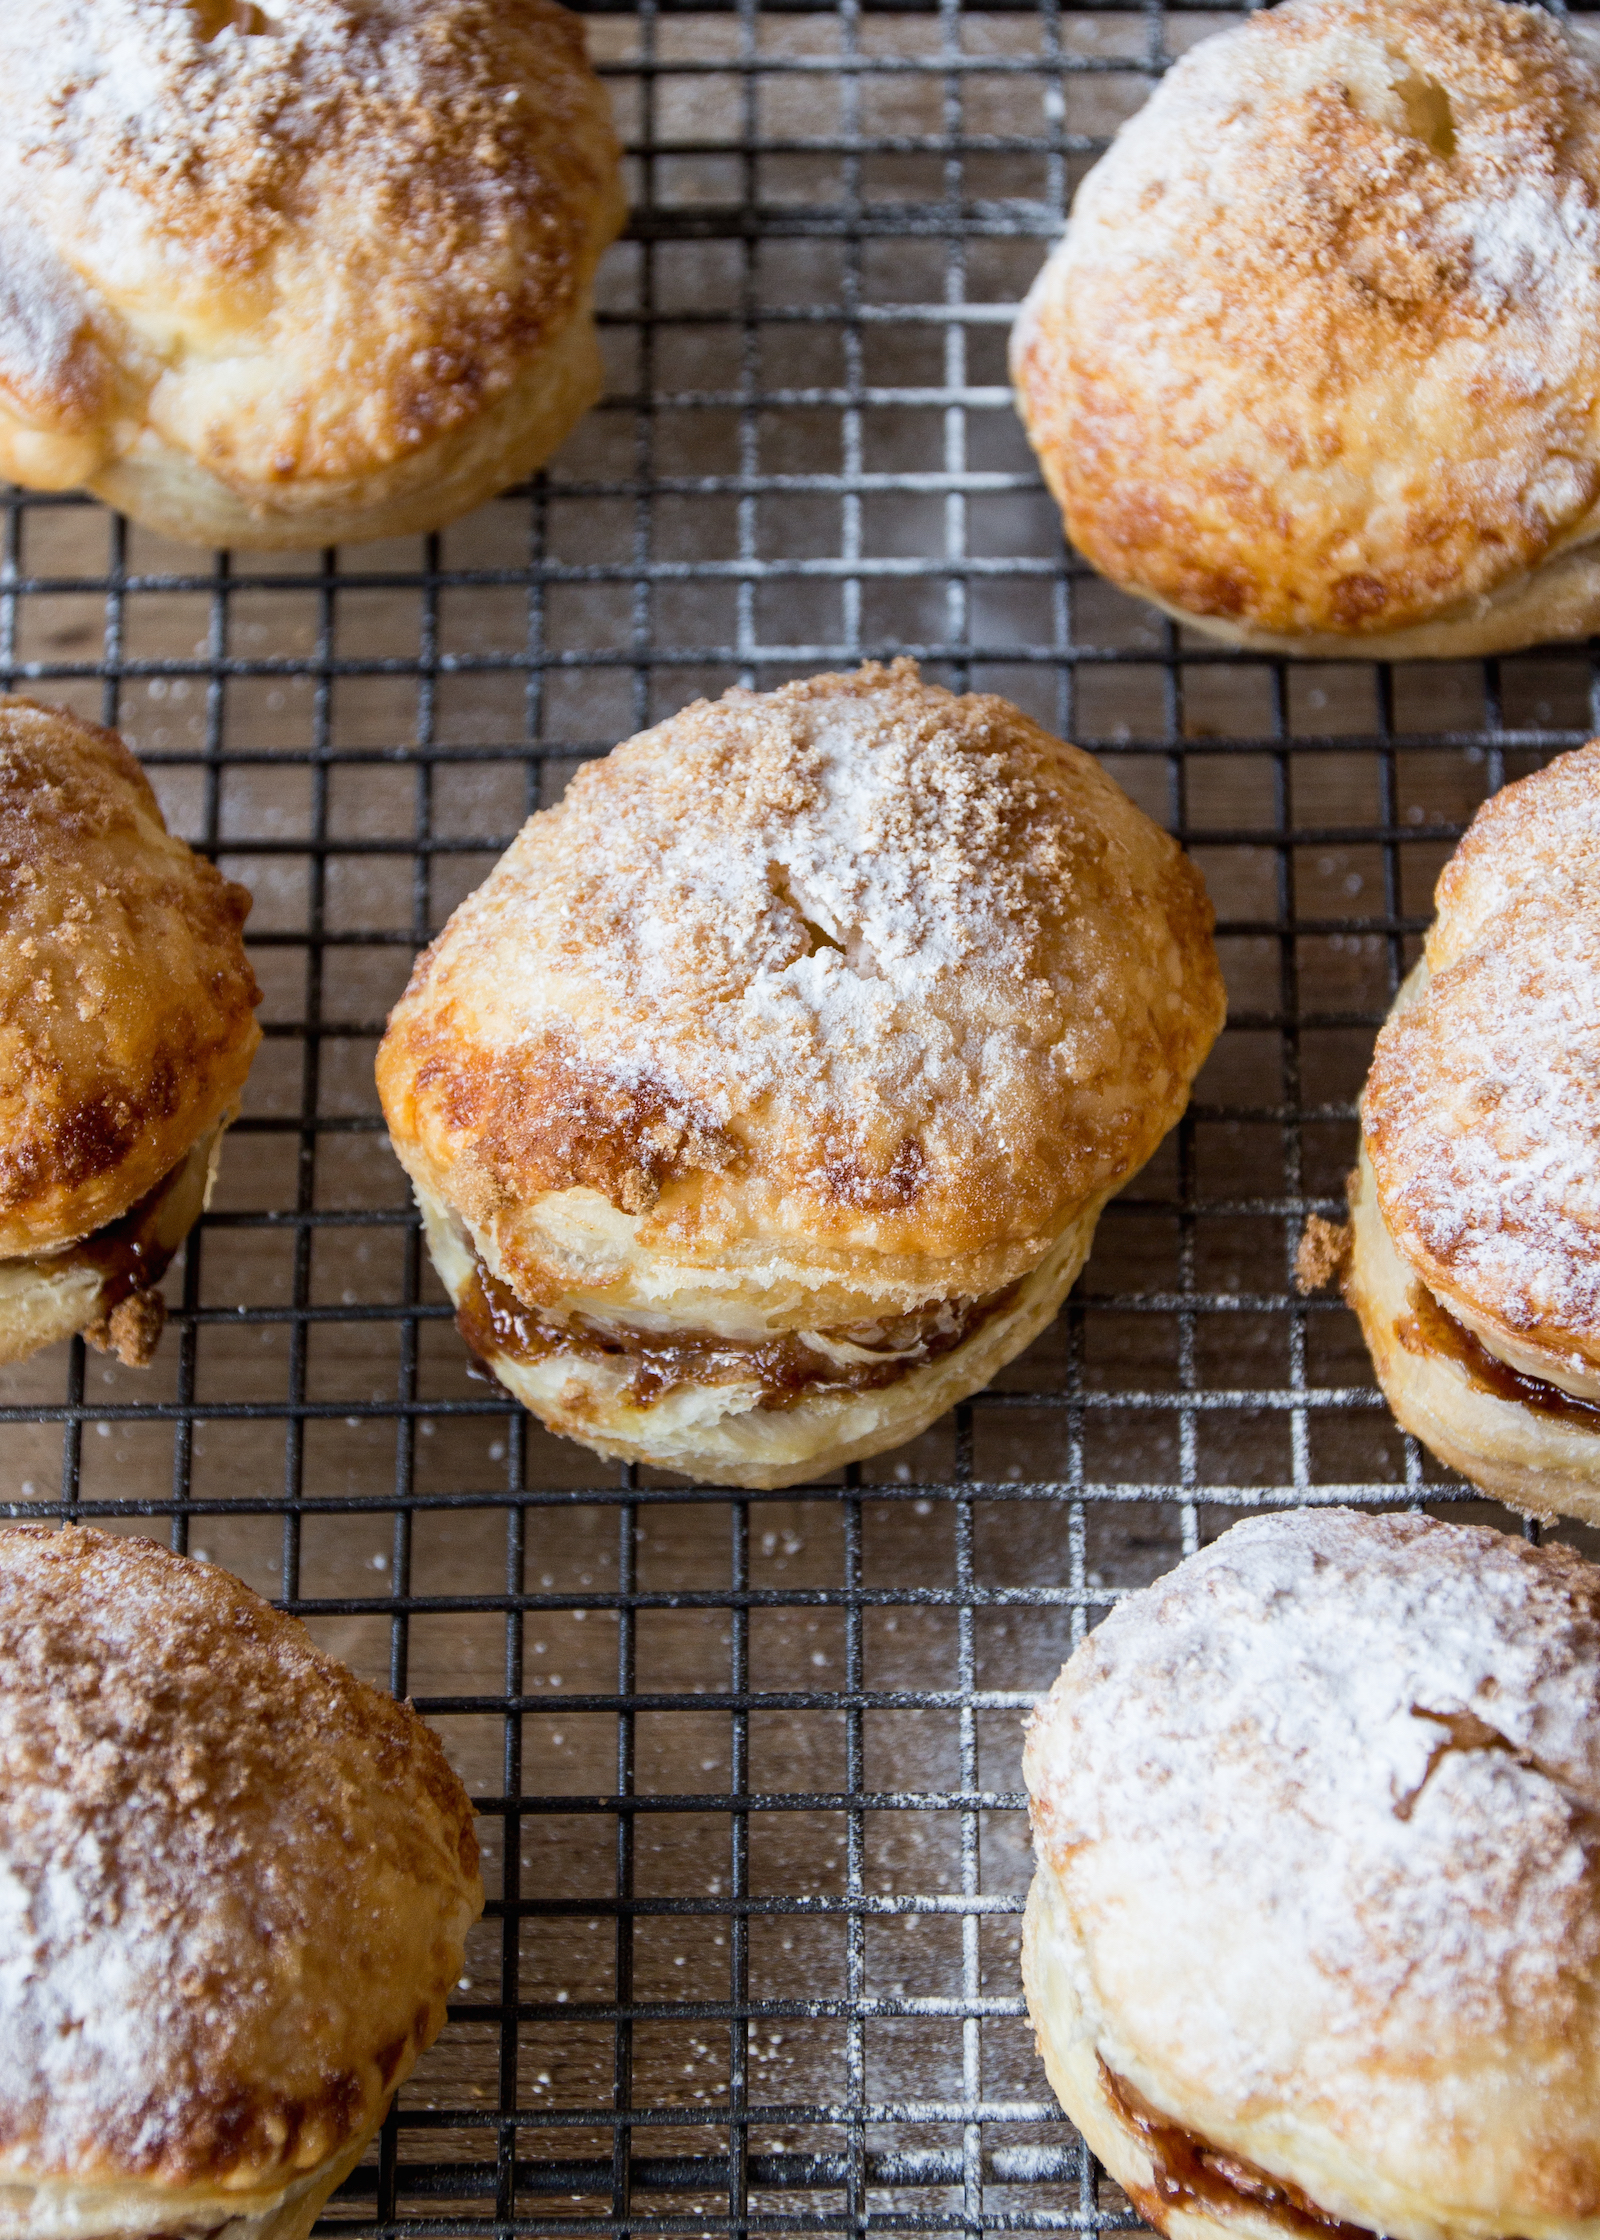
{"type": "Point", "coordinates": [132, 1330]}
{"type": "Point", "coordinates": [1323, 1254]}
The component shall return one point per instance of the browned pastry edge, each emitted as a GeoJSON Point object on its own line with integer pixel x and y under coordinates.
{"type": "Point", "coordinates": [273, 1868]}
{"type": "Point", "coordinates": [126, 997]}
{"type": "Point", "coordinates": [394, 322]}
{"type": "Point", "coordinates": [1275, 373]}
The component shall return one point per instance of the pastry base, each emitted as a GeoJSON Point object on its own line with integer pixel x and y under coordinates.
{"type": "Point", "coordinates": [1542, 1465]}
{"type": "Point", "coordinates": [719, 1433]}
{"type": "Point", "coordinates": [167, 489]}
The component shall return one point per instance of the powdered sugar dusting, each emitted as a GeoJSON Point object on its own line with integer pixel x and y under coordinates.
{"type": "Point", "coordinates": [191, 1980]}
{"type": "Point", "coordinates": [859, 915]}
{"type": "Point", "coordinates": [127, 107]}
{"type": "Point", "coordinates": [1482, 1110]}
{"type": "Point", "coordinates": [817, 876]}
{"type": "Point", "coordinates": [1484, 1113]}
{"type": "Point", "coordinates": [1537, 244]}
{"type": "Point", "coordinates": [1507, 222]}
{"type": "Point", "coordinates": [1322, 1807]}
{"type": "Point", "coordinates": [43, 314]}
{"type": "Point", "coordinates": [1540, 836]}
{"type": "Point", "coordinates": [379, 206]}
{"type": "Point", "coordinates": [1321, 348]}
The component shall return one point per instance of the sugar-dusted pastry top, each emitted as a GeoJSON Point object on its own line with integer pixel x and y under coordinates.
{"type": "Point", "coordinates": [126, 1000]}
{"type": "Point", "coordinates": [1320, 350]}
{"type": "Point", "coordinates": [1481, 1114]}
{"type": "Point", "coordinates": [1317, 1817]}
{"type": "Point", "coordinates": [234, 1879]}
{"type": "Point", "coordinates": [296, 243]}
{"type": "Point", "coordinates": [1540, 835]}
{"type": "Point", "coordinates": [854, 967]}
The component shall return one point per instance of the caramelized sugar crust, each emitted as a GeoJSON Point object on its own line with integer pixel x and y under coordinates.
{"type": "Point", "coordinates": [1481, 1114]}
{"type": "Point", "coordinates": [126, 1000]}
{"type": "Point", "coordinates": [241, 1881]}
{"type": "Point", "coordinates": [1316, 360]}
{"type": "Point", "coordinates": [276, 276]}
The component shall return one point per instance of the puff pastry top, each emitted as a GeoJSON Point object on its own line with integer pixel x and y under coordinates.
{"type": "Point", "coordinates": [126, 999]}
{"type": "Point", "coordinates": [857, 967]}
{"type": "Point", "coordinates": [299, 241]}
{"type": "Point", "coordinates": [1321, 349]}
{"type": "Point", "coordinates": [1481, 1113]}
{"type": "Point", "coordinates": [1320, 1807]}
{"type": "Point", "coordinates": [235, 1879]}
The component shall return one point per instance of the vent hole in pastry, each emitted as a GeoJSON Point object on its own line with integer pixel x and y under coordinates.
{"type": "Point", "coordinates": [1401, 100]}
{"type": "Point", "coordinates": [1404, 100]}
{"type": "Point", "coordinates": [817, 936]}
{"type": "Point", "coordinates": [1428, 113]}
{"type": "Point", "coordinates": [1464, 1730]}
{"type": "Point", "coordinates": [213, 17]}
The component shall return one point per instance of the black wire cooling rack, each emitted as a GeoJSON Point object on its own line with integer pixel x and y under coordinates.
{"type": "Point", "coordinates": [748, 1768]}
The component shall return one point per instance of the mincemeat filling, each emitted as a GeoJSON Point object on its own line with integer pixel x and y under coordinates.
{"type": "Point", "coordinates": [493, 1320]}
{"type": "Point", "coordinates": [126, 1251]}
{"type": "Point", "coordinates": [1427, 1328]}
{"type": "Point", "coordinates": [1189, 2169]}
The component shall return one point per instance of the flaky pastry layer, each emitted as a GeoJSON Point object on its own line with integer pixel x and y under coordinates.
{"type": "Point", "coordinates": [1530, 1450]}
{"type": "Point", "coordinates": [1076, 2068]}
{"type": "Point", "coordinates": [158, 480]}
{"type": "Point", "coordinates": [289, 280]}
{"type": "Point", "coordinates": [722, 1432]}
{"type": "Point", "coordinates": [1481, 1111]}
{"type": "Point", "coordinates": [1314, 1883]}
{"type": "Point", "coordinates": [1558, 599]}
{"type": "Point", "coordinates": [1277, 372]}
{"type": "Point", "coordinates": [127, 1003]}
{"type": "Point", "coordinates": [105, 1286]}
{"type": "Point", "coordinates": [65, 2210]}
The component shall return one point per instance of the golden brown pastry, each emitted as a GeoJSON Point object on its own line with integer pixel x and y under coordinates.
{"type": "Point", "coordinates": [235, 1882]}
{"type": "Point", "coordinates": [1316, 365]}
{"type": "Point", "coordinates": [1313, 1944]}
{"type": "Point", "coordinates": [297, 274]}
{"type": "Point", "coordinates": [762, 1102]}
{"type": "Point", "coordinates": [126, 1030]}
{"type": "Point", "coordinates": [1474, 1257]}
